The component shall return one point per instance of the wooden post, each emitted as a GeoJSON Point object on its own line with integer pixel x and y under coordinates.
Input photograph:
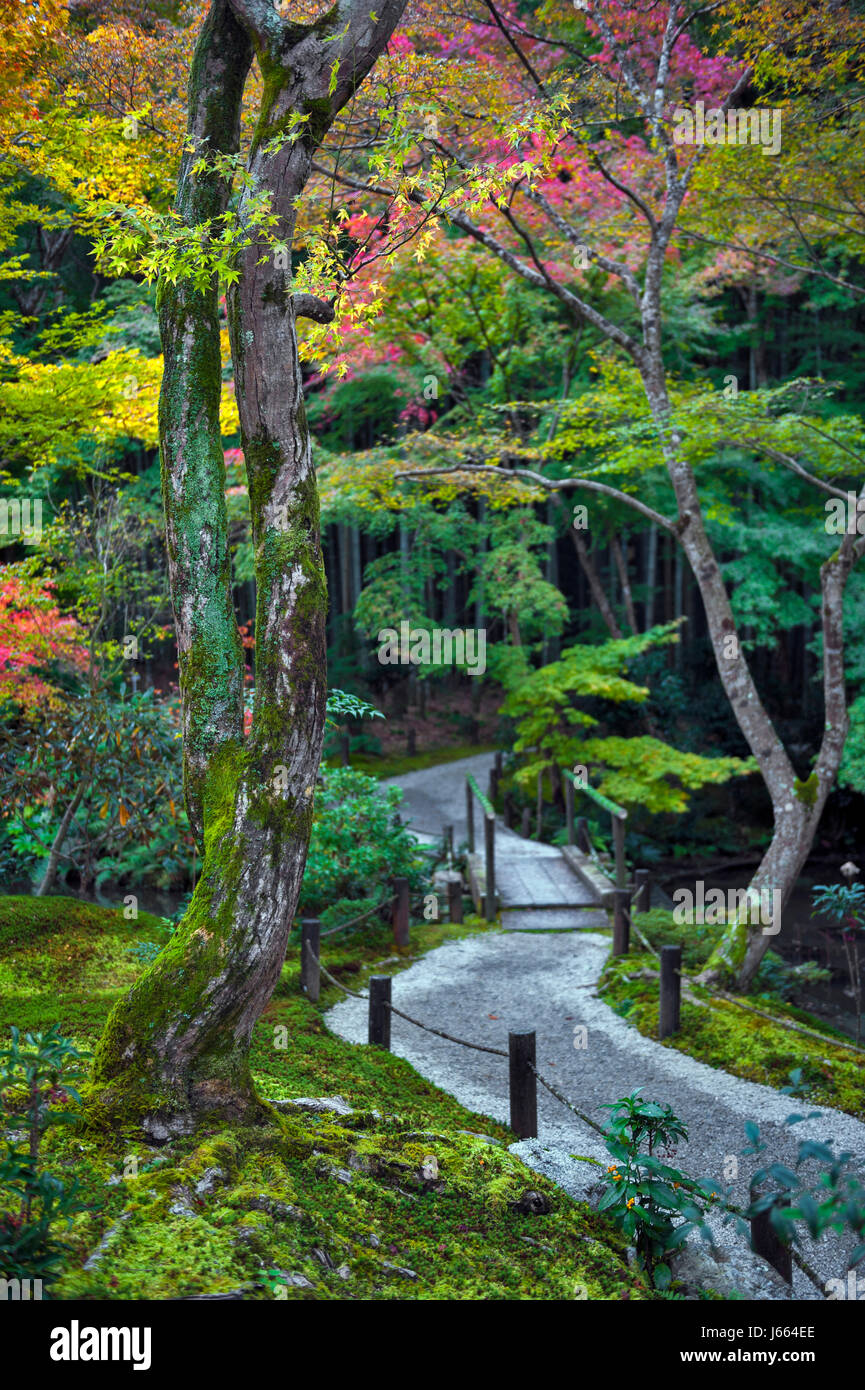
{"type": "Point", "coordinates": [455, 899]}
{"type": "Point", "coordinates": [508, 810]}
{"type": "Point", "coordinates": [523, 1085]}
{"type": "Point", "coordinates": [540, 807]}
{"type": "Point", "coordinates": [497, 762]}
{"type": "Point", "coordinates": [470, 817]}
{"type": "Point", "coordinates": [493, 788]}
{"type": "Point", "coordinates": [765, 1241]}
{"type": "Point", "coordinates": [490, 867]}
{"type": "Point", "coordinates": [526, 827]}
{"type": "Point", "coordinates": [621, 922]}
{"type": "Point", "coordinates": [448, 836]}
{"type": "Point", "coordinates": [671, 990]}
{"type": "Point", "coordinates": [379, 1010]}
{"type": "Point", "coordinates": [570, 798]}
{"type": "Point", "coordinates": [400, 912]}
{"type": "Point", "coordinates": [310, 942]}
{"type": "Point", "coordinates": [619, 848]}
{"type": "Point", "coordinates": [642, 890]}
{"type": "Point", "coordinates": [584, 843]}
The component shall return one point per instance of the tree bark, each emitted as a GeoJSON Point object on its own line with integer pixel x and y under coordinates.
{"type": "Point", "coordinates": [176, 1048]}
{"type": "Point", "coordinates": [620, 555]}
{"type": "Point", "coordinates": [596, 588]}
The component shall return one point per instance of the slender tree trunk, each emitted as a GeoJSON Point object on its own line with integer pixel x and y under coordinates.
{"type": "Point", "coordinates": [797, 807]}
{"type": "Point", "coordinates": [59, 839]}
{"type": "Point", "coordinates": [651, 566]}
{"type": "Point", "coordinates": [620, 551]}
{"type": "Point", "coordinates": [596, 588]}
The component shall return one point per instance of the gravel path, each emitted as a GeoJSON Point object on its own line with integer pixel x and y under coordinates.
{"type": "Point", "coordinates": [485, 986]}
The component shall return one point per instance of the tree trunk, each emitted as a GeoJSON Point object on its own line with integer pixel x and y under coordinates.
{"type": "Point", "coordinates": [595, 586]}
{"type": "Point", "coordinates": [620, 554]}
{"type": "Point", "coordinates": [651, 564]}
{"type": "Point", "coordinates": [57, 843]}
{"type": "Point", "coordinates": [176, 1047]}
{"type": "Point", "coordinates": [797, 807]}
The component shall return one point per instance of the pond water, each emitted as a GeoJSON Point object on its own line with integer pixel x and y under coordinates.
{"type": "Point", "coordinates": [803, 936]}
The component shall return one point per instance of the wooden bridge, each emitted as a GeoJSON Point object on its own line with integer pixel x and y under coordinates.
{"type": "Point", "coordinates": [542, 887]}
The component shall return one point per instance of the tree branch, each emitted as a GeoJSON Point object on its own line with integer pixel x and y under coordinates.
{"type": "Point", "coordinates": [553, 485]}
{"type": "Point", "coordinates": [788, 462]}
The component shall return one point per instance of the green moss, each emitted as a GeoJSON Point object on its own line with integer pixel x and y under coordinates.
{"type": "Point", "coordinates": [344, 1202]}
{"type": "Point", "coordinates": [744, 1044]}
{"type": "Point", "coordinates": [397, 764]}
{"type": "Point", "coordinates": [355, 1212]}
{"type": "Point", "coordinates": [806, 791]}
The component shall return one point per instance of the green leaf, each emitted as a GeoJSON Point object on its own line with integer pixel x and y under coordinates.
{"type": "Point", "coordinates": [662, 1276]}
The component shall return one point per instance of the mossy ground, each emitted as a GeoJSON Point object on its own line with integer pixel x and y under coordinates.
{"type": "Point", "coordinates": [395, 1201]}
{"type": "Point", "coordinates": [725, 1036]}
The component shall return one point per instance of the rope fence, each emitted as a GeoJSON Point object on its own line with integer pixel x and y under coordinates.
{"type": "Point", "coordinates": [523, 1074]}
{"type": "Point", "coordinates": [523, 1077]}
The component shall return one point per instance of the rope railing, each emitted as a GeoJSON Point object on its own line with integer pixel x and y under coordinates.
{"type": "Point", "coordinates": [618, 815]}
{"type": "Point", "coordinates": [392, 1008]}
{"type": "Point", "coordinates": [361, 917]}
{"type": "Point", "coordinates": [523, 1079]}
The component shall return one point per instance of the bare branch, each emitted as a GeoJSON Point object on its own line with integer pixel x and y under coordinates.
{"type": "Point", "coordinates": [788, 462]}
{"type": "Point", "coordinates": [552, 485]}
{"type": "Point", "coordinates": [775, 260]}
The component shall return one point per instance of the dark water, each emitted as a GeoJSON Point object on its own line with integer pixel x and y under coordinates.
{"type": "Point", "coordinates": [802, 937]}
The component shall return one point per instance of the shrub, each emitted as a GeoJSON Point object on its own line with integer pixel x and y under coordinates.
{"type": "Point", "coordinates": [358, 842]}
{"type": "Point", "coordinates": [33, 1201]}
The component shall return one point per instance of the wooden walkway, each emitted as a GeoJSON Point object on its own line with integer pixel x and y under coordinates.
{"type": "Point", "coordinates": [538, 887]}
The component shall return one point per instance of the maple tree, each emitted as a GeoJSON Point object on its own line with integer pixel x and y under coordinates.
{"type": "Point", "coordinates": [576, 166]}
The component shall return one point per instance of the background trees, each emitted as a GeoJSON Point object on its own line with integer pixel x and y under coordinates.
{"type": "Point", "coordinates": [514, 295]}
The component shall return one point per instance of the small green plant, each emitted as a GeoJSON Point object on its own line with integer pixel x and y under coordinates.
{"type": "Point", "coordinates": [35, 1079]}
{"type": "Point", "coordinates": [358, 843]}
{"type": "Point", "coordinates": [835, 1202]}
{"type": "Point", "coordinates": [777, 979]}
{"type": "Point", "coordinates": [147, 951]}
{"type": "Point", "coordinates": [652, 1203]}
{"type": "Point", "coordinates": [845, 902]}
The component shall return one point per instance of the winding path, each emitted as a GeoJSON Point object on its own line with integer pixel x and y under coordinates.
{"type": "Point", "coordinates": [482, 987]}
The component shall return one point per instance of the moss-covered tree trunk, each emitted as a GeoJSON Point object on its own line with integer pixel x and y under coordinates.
{"type": "Point", "coordinates": [177, 1046]}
